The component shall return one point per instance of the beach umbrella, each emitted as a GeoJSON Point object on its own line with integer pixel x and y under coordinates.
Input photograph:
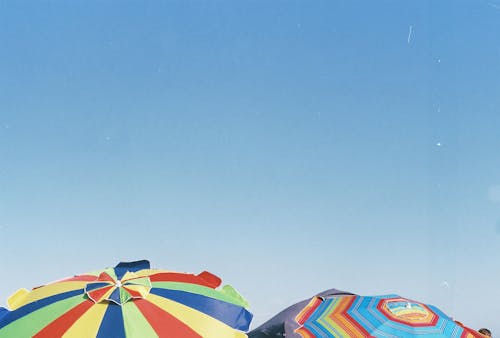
{"type": "Point", "coordinates": [284, 324]}
{"type": "Point", "coordinates": [130, 300]}
{"type": "Point", "coordinates": [388, 316]}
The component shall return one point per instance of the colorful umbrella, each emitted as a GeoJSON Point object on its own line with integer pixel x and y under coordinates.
{"type": "Point", "coordinates": [284, 324]}
{"type": "Point", "coordinates": [130, 300]}
{"type": "Point", "coordinates": [380, 316]}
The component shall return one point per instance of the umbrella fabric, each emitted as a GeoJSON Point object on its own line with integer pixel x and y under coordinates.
{"type": "Point", "coordinates": [380, 316]}
{"type": "Point", "coordinates": [130, 300]}
{"type": "Point", "coordinates": [284, 324]}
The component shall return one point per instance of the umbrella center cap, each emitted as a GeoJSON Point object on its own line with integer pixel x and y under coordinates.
{"type": "Point", "coordinates": [109, 289]}
{"type": "Point", "coordinates": [407, 311]}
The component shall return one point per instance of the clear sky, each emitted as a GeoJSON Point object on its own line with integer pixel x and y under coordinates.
{"type": "Point", "coordinates": [287, 146]}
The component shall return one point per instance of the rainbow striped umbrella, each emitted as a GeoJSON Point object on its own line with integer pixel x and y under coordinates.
{"type": "Point", "coordinates": [130, 300]}
{"type": "Point", "coordinates": [381, 316]}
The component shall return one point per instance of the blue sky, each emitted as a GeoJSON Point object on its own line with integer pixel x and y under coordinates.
{"type": "Point", "coordinates": [286, 146]}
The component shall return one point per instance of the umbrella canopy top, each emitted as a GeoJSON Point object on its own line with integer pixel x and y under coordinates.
{"type": "Point", "coordinates": [129, 300]}
{"type": "Point", "coordinates": [284, 324]}
{"type": "Point", "coordinates": [388, 316]}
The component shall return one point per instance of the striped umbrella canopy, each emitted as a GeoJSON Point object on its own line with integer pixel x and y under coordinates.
{"type": "Point", "coordinates": [130, 300]}
{"type": "Point", "coordinates": [389, 316]}
{"type": "Point", "coordinates": [284, 324]}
